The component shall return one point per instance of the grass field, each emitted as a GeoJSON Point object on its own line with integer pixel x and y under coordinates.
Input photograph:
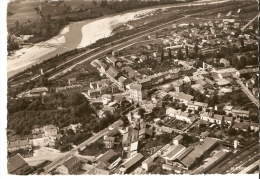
{"type": "Point", "coordinates": [22, 12]}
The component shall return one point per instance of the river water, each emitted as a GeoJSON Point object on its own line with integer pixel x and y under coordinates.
{"type": "Point", "coordinates": [76, 35]}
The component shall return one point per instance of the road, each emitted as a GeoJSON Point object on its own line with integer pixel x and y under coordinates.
{"type": "Point", "coordinates": [248, 93]}
{"type": "Point", "coordinates": [234, 162]}
{"type": "Point", "coordinates": [62, 158]}
{"type": "Point", "coordinates": [243, 28]}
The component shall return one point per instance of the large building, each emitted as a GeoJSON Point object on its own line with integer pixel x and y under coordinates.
{"type": "Point", "coordinates": [136, 92]}
{"type": "Point", "coordinates": [17, 165]}
{"type": "Point", "coordinates": [19, 144]}
{"type": "Point", "coordinates": [69, 166]}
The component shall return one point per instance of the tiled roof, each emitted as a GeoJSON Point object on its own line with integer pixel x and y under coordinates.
{"type": "Point", "coordinates": [137, 87]}
{"type": "Point", "coordinates": [18, 143]}
{"type": "Point", "coordinates": [15, 162]}
{"type": "Point", "coordinates": [132, 160]}
{"type": "Point", "coordinates": [70, 162]}
{"type": "Point", "coordinates": [106, 156]}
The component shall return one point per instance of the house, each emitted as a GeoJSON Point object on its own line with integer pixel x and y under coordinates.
{"type": "Point", "coordinates": [177, 140]}
{"type": "Point", "coordinates": [240, 113]}
{"type": "Point", "coordinates": [228, 109]}
{"type": "Point", "coordinates": [145, 133]}
{"type": "Point", "coordinates": [124, 167]}
{"type": "Point", "coordinates": [147, 163]}
{"type": "Point", "coordinates": [204, 135]}
{"type": "Point", "coordinates": [39, 90]}
{"type": "Point", "coordinates": [109, 142]}
{"type": "Point", "coordinates": [179, 115]}
{"type": "Point", "coordinates": [112, 60]}
{"type": "Point", "coordinates": [106, 157]}
{"type": "Point", "coordinates": [16, 165]}
{"type": "Point", "coordinates": [130, 136]}
{"type": "Point", "coordinates": [198, 88]}
{"type": "Point", "coordinates": [136, 92]}
{"type": "Point", "coordinates": [112, 72]}
{"type": "Point", "coordinates": [50, 130]}
{"type": "Point", "coordinates": [207, 116]}
{"type": "Point", "coordinates": [249, 84]}
{"type": "Point", "coordinates": [218, 118]}
{"type": "Point", "coordinates": [225, 62]}
{"type": "Point", "coordinates": [72, 81]}
{"type": "Point", "coordinates": [19, 144]}
{"type": "Point", "coordinates": [178, 86]}
{"type": "Point", "coordinates": [68, 90]}
{"type": "Point", "coordinates": [172, 168]}
{"type": "Point", "coordinates": [184, 98]}
{"type": "Point", "coordinates": [194, 105]}
{"type": "Point", "coordinates": [254, 126]}
{"type": "Point", "coordinates": [244, 126]}
{"type": "Point", "coordinates": [228, 120]}
{"type": "Point", "coordinates": [69, 166]}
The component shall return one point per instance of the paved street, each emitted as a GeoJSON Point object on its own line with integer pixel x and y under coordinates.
{"type": "Point", "coordinates": [61, 159]}
{"type": "Point", "coordinates": [248, 93]}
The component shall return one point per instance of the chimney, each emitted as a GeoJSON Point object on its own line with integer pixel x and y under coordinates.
{"type": "Point", "coordinates": [17, 141]}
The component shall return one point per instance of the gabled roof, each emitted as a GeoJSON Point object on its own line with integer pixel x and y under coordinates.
{"type": "Point", "coordinates": [198, 151]}
{"type": "Point", "coordinates": [148, 160]}
{"type": "Point", "coordinates": [18, 143]}
{"type": "Point", "coordinates": [137, 87]}
{"type": "Point", "coordinates": [15, 163]}
{"type": "Point", "coordinates": [218, 117]}
{"type": "Point", "coordinates": [145, 131]}
{"type": "Point", "coordinates": [174, 151]}
{"type": "Point", "coordinates": [106, 156]}
{"type": "Point", "coordinates": [132, 160]}
{"type": "Point", "coordinates": [71, 161]}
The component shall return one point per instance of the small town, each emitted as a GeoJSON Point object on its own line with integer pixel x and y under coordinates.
{"type": "Point", "coordinates": [183, 99]}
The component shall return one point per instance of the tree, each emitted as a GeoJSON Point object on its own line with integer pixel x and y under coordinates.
{"type": "Point", "coordinates": [231, 132]}
{"type": "Point", "coordinates": [187, 51]}
{"type": "Point", "coordinates": [103, 3]}
{"type": "Point", "coordinates": [170, 54]}
{"type": "Point", "coordinates": [234, 60]}
{"type": "Point", "coordinates": [179, 54]}
{"type": "Point", "coordinates": [17, 24]}
{"type": "Point", "coordinates": [141, 112]}
{"type": "Point", "coordinates": [162, 56]}
{"type": "Point", "coordinates": [165, 138]}
{"type": "Point", "coordinates": [242, 42]}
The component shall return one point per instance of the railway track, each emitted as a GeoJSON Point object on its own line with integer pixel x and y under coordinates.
{"type": "Point", "coordinates": [229, 164]}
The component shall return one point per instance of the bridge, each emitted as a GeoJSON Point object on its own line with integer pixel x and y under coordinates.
{"type": "Point", "coordinates": [243, 28]}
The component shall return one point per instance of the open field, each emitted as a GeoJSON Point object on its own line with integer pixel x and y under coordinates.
{"type": "Point", "coordinates": [42, 154]}
{"type": "Point", "coordinates": [22, 12]}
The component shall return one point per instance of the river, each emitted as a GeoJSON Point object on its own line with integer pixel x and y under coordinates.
{"type": "Point", "coordinates": [77, 35]}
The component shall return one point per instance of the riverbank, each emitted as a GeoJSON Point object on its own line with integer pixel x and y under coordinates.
{"type": "Point", "coordinates": [76, 35]}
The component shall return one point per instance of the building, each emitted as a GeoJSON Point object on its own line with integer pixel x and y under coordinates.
{"type": "Point", "coordinates": [194, 105]}
{"type": "Point", "coordinates": [136, 92]}
{"type": "Point", "coordinates": [69, 166]}
{"type": "Point", "coordinates": [112, 60]}
{"type": "Point", "coordinates": [189, 156]}
{"type": "Point", "coordinates": [50, 130]}
{"type": "Point", "coordinates": [16, 165]}
{"type": "Point", "coordinates": [69, 90]}
{"type": "Point", "coordinates": [184, 98]}
{"type": "Point", "coordinates": [124, 167]}
{"type": "Point", "coordinates": [19, 144]}
{"type": "Point", "coordinates": [177, 140]}
{"type": "Point", "coordinates": [147, 163]}
{"type": "Point", "coordinates": [172, 153]}
{"type": "Point", "coordinates": [109, 142]}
